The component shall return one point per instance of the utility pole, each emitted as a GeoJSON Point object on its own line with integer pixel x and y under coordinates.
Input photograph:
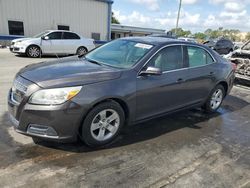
{"type": "Point", "coordinates": [178, 17]}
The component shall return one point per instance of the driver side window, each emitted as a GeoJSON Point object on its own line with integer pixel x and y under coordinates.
{"type": "Point", "coordinates": [55, 36]}
{"type": "Point", "coordinates": [169, 58]}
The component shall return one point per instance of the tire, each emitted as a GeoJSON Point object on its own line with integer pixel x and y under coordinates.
{"type": "Point", "coordinates": [215, 99]}
{"type": "Point", "coordinates": [102, 124]}
{"type": "Point", "coordinates": [33, 51]}
{"type": "Point", "coordinates": [81, 50]}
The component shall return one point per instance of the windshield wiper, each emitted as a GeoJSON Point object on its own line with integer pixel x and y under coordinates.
{"type": "Point", "coordinates": [93, 61]}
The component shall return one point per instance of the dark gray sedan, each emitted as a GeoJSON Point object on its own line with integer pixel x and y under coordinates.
{"type": "Point", "coordinates": [123, 82]}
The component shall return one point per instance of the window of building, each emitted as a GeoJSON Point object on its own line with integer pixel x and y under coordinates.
{"type": "Point", "coordinates": [70, 36]}
{"type": "Point", "coordinates": [96, 36]}
{"type": "Point", "coordinates": [63, 27]}
{"type": "Point", "coordinates": [55, 36]}
{"type": "Point", "coordinates": [170, 58]}
{"type": "Point", "coordinates": [112, 36]}
{"type": "Point", "coordinates": [198, 57]}
{"type": "Point", "coordinates": [16, 28]}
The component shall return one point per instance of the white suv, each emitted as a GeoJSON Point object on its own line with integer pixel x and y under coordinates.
{"type": "Point", "coordinates": [56, 42]}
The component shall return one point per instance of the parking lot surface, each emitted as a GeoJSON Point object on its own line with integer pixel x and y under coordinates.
{"type": "Point", "coordinates": [186, 149]}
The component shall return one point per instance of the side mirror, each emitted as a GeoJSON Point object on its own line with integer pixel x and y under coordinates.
{"type": "Point", "coordinates": [151, 71]}
{"type": "Point", "coordinates": [45, 38]}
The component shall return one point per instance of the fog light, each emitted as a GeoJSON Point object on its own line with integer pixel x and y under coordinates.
{"type": "Point", "coordinates": [41, 130]}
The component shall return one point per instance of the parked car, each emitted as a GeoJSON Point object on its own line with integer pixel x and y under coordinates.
{"type": "Point", "coordinates": [210, 43]}
{"type": "Point", "coordinates": [123, 82]}
{"type": "Point", "coordinates": [164, 35]}
{"type": "Point", "coordinates": [224, 46]}
{"type": "Point", "coordinates": [188, 39]}
{"type": "Point", "coordinates": [52, 42]}
{"type": "Point", "coordinates": [241, 57]}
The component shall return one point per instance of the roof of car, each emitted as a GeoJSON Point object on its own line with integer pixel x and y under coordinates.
{"type": "Point", "coordinates": [158, 40]}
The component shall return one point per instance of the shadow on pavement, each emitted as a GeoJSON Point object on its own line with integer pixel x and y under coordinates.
{"type": "Point", "coordinates": [157, 127]}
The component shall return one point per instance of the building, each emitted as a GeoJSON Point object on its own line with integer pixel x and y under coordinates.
{"type": "Point", "coordinates": [90, 18]}
{"type": "Point", "coordinates": [118, 31]}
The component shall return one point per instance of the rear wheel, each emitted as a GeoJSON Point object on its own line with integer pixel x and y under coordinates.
{"type": "Point", "coordinates": [81, 51]}
{"type": "Point", "coordinates": [215, 99]}
{"type": "Point", "coordinates": [102, 124]}
{"type": "Point", "coordinates": [33, 51]}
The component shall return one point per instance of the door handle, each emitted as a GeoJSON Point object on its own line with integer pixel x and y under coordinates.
{"type": "Point", "coordinates": [211, 73]}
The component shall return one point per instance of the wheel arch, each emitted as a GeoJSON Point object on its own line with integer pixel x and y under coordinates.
{"type": "Point", "coordinates": [33, 45]}
{"type": "Point", "coordinates": [118, 100]}
{"type": "Point", "coordinates": [225, 85]}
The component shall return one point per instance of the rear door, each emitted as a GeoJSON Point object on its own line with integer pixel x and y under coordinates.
{"type": "Point", "coordinates": [71, 42]}
{"type": "Point", "coordinates": [161, 93]}
{"type": "Point", "coordinates": [201, 73]}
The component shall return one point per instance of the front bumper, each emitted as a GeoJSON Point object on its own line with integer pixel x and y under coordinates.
{"type": "Point", "coordinates": [54, 123]}
{"type": "Point", "coordinates": [18, 49]}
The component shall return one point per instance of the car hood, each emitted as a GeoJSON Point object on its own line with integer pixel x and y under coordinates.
{"type": "Point", "coordinates": [70, 71]}
{"type": "Point", "coordinates": [21, 39]}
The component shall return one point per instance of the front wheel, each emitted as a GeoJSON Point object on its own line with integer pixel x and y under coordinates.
{"type": "Point", "coordinates": [33, 51]}
{"type": "Point", "coordinates": [102, 124]}
{"type": "Point", "coordinates": [215, 99]}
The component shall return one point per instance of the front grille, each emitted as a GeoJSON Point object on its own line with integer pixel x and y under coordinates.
{"type": "Point", "coordinates": [16, 49]}
{"type": "Point", "coordinates": [18, 90]}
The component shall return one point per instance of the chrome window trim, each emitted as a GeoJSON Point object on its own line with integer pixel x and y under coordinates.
{"type": "Point", "coordinates": [182, 45]}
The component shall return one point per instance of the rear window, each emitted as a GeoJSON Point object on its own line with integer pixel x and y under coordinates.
{"type": "Point", "coordinates": [70, 36]}
{"type": "Point", "coordinates": [198, 57]}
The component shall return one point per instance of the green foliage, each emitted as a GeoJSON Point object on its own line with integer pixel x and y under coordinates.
{"type": "Point", "coordinates": [248, 36]}
{"type": "Point", "coordinates": [200, 36]}
{"type": "Point", "coordinates": [114, 19]}
{"type": "Point", "coordinates": [220, 32]}
{"type": "Point", "coordinates": [180, 32]}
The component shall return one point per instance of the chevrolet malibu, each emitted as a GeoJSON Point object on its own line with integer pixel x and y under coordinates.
{"type": "Point", "coordinates": [123, 82]}
{"type": "Point", "coordinates": [55, 42]}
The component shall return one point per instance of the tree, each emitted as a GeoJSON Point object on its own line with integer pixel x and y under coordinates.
{"type": "Point", "coordinates": [248, 36]}
{"type": "Point", "coordinates": [180, 32]}
{"type": "Point", "coordinates": [200, 36]}
{"type": "Point", "coordinates": [114, 20]}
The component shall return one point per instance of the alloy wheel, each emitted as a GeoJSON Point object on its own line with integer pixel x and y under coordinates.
{"type": "Point", "coordinates": [216, 99]}
{"type": "Point", "coordinates": [105, 125]}
{"type": "Point", "coordinates": [34, 51]}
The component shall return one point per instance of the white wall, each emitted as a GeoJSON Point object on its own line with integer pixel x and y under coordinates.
{"type": "Point", "coordinates": [83, 16]}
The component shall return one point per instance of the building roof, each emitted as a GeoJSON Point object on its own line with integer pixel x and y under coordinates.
{"type": "Point", "coordinates": [133, 29]}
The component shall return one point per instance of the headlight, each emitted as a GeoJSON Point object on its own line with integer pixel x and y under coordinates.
{"type": "Point", "coordinates": [54, 96]}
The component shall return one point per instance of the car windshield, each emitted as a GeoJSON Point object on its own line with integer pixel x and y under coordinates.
{"type": "Point", "coordinates": [41, 34]}
{"type": "Point", "coordinates": [119, 53]}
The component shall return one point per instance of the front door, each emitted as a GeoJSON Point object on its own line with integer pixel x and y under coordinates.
{"type": "Point", "coordinates": [161, 93]}
{"type": "Point", "coordinates": [53, 45]}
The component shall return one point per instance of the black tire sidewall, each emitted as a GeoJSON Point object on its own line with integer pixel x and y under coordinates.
{"type": "Point", "coordinates": [207, 104]}
{"type": "Point", "coordinates": [77, 51]}
{"type": "Point", "coordinates": [86, 132]}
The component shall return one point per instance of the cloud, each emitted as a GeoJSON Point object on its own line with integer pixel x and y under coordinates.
{"type": "Point", "coordinates": [134, 19]}
{"type": "Point", "coordinates": [234, 7]}
{"type": "Point", "coordinates": [189, 2]}
{"type": "Point", "coordinates": [152, 5]}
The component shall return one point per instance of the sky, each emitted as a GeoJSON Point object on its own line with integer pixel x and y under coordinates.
{"type": "Point", "coordinates": [196, 15]}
